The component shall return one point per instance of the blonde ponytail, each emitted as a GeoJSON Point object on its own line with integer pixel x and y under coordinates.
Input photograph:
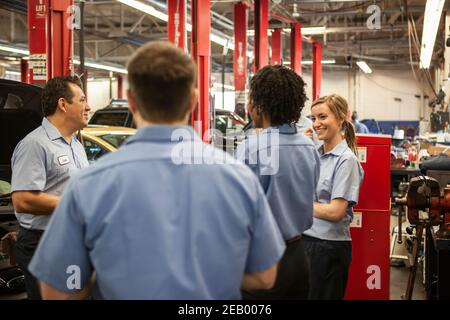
{"type": "Point", "coordinates": [349, 135]}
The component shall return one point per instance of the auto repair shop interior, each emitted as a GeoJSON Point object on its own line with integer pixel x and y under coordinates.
{"type": "Point", "coordinates": [360, 86]}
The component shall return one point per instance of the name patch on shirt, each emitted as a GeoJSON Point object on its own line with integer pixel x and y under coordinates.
{"type": "Point", "coordinates": [63, 160]}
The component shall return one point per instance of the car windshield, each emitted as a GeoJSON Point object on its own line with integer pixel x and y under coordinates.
{"type": "Point", "coordinates": [229, 124]}
{"type": "Point", "coordinates": [110, 119]}
{"type": "Point", "coordinates": [115, 139]}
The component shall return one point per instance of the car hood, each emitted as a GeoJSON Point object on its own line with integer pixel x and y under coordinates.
{"type": "Point", "coordinates": [20, 113]}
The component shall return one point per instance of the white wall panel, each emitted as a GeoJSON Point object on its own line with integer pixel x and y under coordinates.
{"type": "Point", "coordinates": [375, 94]}
{"type": "Point", "coordinates": [99, 95]}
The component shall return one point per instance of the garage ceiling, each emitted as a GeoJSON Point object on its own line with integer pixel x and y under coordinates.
{"type": "Point", "coordinates": [113, 30]}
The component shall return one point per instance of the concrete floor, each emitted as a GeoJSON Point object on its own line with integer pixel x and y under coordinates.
{"type": "Point", "coordinates": [399, 275]}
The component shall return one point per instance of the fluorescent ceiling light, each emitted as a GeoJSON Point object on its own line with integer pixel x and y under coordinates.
{"type": "Point", "coordinates": [14, 50]}
{"type": "Point", "coordinates": [223, 42]}
{"type": "Point", "coordinates": [13, 73]}
{"type": "Point", "coordinates": [306, 31]}
{"type": "Point", "coordinates": [251, 32]}
{"type": "Point", "coordinates": [164, 17]}
{"type": "Point", "coordinates": [146, 9]}
{"type": "Point", "coordinates": [75, 61]}
{"type": "Point", "coordinates": [309, 62]}
{"type": "Point", "coordinates": [364, 66]}
{"type": "Point", "coordinates": [433, 11]}
{"type": "Point", "coordinates": [330, 61]}
{"type": "Point", "coordinates": [310, 31]}
{"type": "Point", "coordinates": [102, 67]}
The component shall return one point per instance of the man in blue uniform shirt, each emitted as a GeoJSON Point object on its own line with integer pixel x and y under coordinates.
{"type": "Point", "coordinates": [359, 126]}
{"type": "Point", "coordinates": [288, 167]}
{"type": "Point", "coordinates": [167, 216]}
{"type": "Point", "coordinates": [42, 164]}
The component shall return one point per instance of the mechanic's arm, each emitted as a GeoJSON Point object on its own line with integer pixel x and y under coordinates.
{"type": "Point", "coordinates": [263, 280]}
{"type": "Point", "coordinates": [34, 202]}
{"type": "Point", "coordinates": [334, 211]}
{"type": "Point", "coordinates": [50, 293]}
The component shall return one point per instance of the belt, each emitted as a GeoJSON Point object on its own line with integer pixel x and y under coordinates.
{"type": "Point", "coordinates": [291, 240]}
{"type": "Point", "coordinates": [37, 231]}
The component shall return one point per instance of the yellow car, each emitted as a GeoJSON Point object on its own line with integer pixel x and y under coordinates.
{"type": "Point", "coordinates": [100, 140]}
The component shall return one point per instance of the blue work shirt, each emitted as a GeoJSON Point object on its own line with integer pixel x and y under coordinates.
{"type": "Point", "coordinates": [154, 227]}
{"type": "Point", "coordinates": [305, 123]}
{"type": "Point", "coordinates": [288, 167]}
{"type": "Point", "coordinates": [341, 176]}
{"type": "Point", "coordinates": [360, 127]}
{"type": "Point", "coordinates": [44, 161]}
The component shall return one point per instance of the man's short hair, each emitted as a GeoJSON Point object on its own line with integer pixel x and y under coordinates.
{"type": "Point", "coordinates": [161, 78]}
{"type": "Point", "coordinates": [55, 89]}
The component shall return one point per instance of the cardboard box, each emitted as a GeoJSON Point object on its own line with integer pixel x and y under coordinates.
{"type": "Point", "coordinates": [434, 150]}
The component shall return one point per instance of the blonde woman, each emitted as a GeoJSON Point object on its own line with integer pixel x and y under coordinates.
{"type": "Point", "coordinates": [328, 242]}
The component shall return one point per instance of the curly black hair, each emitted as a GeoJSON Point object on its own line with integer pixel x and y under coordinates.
{"type": "Point", "coordinates": [279, 92]}
{"type": "Point", "coordinates": [55, 89]}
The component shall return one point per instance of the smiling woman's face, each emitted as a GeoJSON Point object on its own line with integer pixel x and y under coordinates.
{"type": "Point", "coordinates": [325, 123]}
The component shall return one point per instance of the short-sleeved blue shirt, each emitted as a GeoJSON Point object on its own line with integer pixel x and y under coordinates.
{"type": "Point", "coordinates": [44, 161]}
{"type": "Point", "coordinates": [161, 219]}
{"type": "Point", "coordinates": [288, 167]}
{"type": "Point", "coordinates": [360, 127]}
{"type": "Point", "coordinates": [341, 176]}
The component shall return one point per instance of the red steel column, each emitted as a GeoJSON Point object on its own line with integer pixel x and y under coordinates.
{"type": "Point", "coordinates": [50, 38]}
{"type": "Point", "coordinates": [119, 86]}
{"type": "Point", "coordinates": [296, 48]}
{"type": "Point", "coordinates": [261, 37]}
{"type": "Point", "coordinates": [277, 47]}
{"type": "Point", "coordinates": [176, 26]}
{"type": "Point", "coordinates": [24, 74]}
{"type": "Point", "coordinates": [240, 51]}
{"type": "Point", "coordinates": [60, 43]}
{"type": "Point", "coordinates": [317, 70]}
{"type": "Point", "coordinates": [201, 26]}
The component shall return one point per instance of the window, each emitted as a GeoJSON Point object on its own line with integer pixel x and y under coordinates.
{"type": "Point", "coordinates": [110, 119]}
{"type": "Point", "coordinates": [11, 102]}
{"type": "Point", "coordinates": [229, 124]}
{"type": "Point", "coordinates": [116, 140]}
{"type": "Point", "coordinates": [93, 150]}
{"type": "Point", "coordinates": [222, 123]}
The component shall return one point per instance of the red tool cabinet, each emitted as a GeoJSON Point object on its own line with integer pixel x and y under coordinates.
{"type": "Point", "coordinates": [369, 271]}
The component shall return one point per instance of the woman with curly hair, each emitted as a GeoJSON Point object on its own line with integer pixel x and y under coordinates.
{"type": "Point", "coordinates": [287, 165]}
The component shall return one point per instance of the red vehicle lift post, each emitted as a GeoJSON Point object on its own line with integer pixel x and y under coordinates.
{"type": "Point", "coordinates": [176, 27]}
{"type": "Point", "coordinates": [24, 73]}
{"type": "Point", "coordinates": [119, 86]}
{"type": "Point", "coordinates": [50, 37]}
{"type": "Point", "coordinates": [201, 26]}
{"type": "Point", "coordinates": [317, 70]}
{"type": "Point", "coordinates": [277, 47]}
{"type": "Point", "coordinates": [296, 48]}
{"type": "Point", "coordinates": [240, 51]}
{"type": "Point", "coordinates": [261, 37]}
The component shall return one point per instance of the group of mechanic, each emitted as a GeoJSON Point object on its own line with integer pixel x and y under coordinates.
{"type": "Point", "coordinates": [273, 222]}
